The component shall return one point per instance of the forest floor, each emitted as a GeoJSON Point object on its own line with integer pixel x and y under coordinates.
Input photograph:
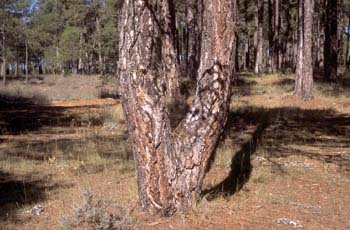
{"type": "Point", "coordinates": [281, 163]}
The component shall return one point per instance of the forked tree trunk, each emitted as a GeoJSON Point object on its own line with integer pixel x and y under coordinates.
{"type": "Point", "coordinates": [170, 165]}
{"type": "Point", "coordinates": [304, 72]}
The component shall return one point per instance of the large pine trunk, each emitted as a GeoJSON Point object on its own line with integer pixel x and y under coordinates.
{"type": "Point", "coordinates": [170, 165]}
{"type": "Point", "coordinates": [304, 72]}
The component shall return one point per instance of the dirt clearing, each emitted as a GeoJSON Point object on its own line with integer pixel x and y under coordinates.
{"type": "Point", "coordinates": [281, 163]}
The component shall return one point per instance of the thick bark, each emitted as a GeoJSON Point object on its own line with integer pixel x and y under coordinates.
{"type": "Point", "coordinates": [331, 41]}
{"type": "Point", "coordinates": [304, 73]}
{"type": "Point", "coordinates": [170, 166]}
{"type": "Point", "coordinates": [259, 47]}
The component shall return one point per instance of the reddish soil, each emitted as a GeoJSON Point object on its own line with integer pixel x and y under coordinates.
{"type": "Point", "coordinates": [279, 157]}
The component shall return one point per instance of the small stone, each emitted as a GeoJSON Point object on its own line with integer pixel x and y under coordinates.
{"type": "Point", "coordinates": [286, 221]}
{"type": "Point", "coordinates": [37, 210]}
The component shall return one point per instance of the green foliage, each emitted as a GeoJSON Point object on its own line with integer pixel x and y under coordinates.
{"type": "Point", "coordinates": [61, 33]}
{"type": "Point", "coordinates": [69, 43]}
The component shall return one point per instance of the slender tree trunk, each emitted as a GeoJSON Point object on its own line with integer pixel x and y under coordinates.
{"type": "Point", "coordinates": [347, 56]}
{"type": "Point", "coordinates": [276, 50]}
{"type": "Point", "coordinates": [341, 23]}
{"type": "Point", "coordinates": [26, 61]}
{"type": "Point", "coordinates": [271, 58]}
{"type": "Point", "coordinates": [194, 28]}
{"type": "Point", "coordinates": [4, 61]}
{"type": "Point", "coordinates": [58, 61]}
{"type": "Point", "coordinates": [170, 166]}
{"type": "Point", "coordinates": [237, 39]}
{"type": "Point", "coordinates": [259, 53]}
{"type": "Point", "coordinates": [80, 60]}
{"type": "Point", "coordinates": [304, 73]}
{"type": "Point", "coordinates": [245, 56]}
{"type": "Point", "coordinates": [168, 45]}
{"type": "Point", "coordinates": [99, 46]}
{"type": "Point", "coordinates": [17, 62]}
{"type": "Point", "coordinates": [331, 41]}
{"type": "Point", "coordinates": [255, 38]}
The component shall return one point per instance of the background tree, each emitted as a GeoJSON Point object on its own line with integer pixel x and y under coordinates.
{"type": "Point", "coordinates": [331, 40]}
{"type": "Point", "coordinates": [259, 37]}
{"type": "Point", "coordinates": [304, 73]}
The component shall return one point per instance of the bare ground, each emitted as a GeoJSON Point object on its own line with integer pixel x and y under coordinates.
{"type": "Point", "coordinates": [281, 163]}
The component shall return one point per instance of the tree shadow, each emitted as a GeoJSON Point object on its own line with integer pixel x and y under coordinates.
{"type": "Point", "coordinates": [335, 88]}
{"type": "Point", "coordinates": [37, 132]}
{"type": "Point", "coordinates": [17, 192]}
{"type": "Point", "coordinates": [279, 133]}
{"type": "Point", "coordinates": [242, 84]}
{"type": "Point", "coordinates": [114, 147]}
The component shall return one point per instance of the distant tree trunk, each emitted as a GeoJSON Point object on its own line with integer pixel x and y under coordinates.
{"type": "Point", "coordinates": [319, 44]}
{"type": "Point", "coordinates": [341, 23]}
{"type": "Point", "coordinates": [80, 60]}
{"type": "Point", "coordinates": [170, 165]}
{"type": "Point", "coordinates": [99, 46]}
{"type": "Point", "coordinates": [276, 50]}
{"type": "Point", "coordinates": [17, 62]}
{"type": "Point", "coordinates": [304, 73]}
{"type": "Point", "coordinates": [347, 56]}
{"type": "Point", "coordinates": [194, 22]}
{"type": "Point", "coordinates": [58, 61]}
{"type": "Point", "coordinates": [331, 41]}
{"type": "Point", "coordinates": [237, 40]}
{"type": "Point", "coordinates": [26, 61]}
{"type": "Point", "coordinates": [245, 56]}
{"type": "Point", "coordinates": [271, 58]}
{"type": "Point", "coordinates": [4, 61]}
{"type": "Point", "coordinates": [168, 45]}
{"type": "Point", "coordinates": [259, 52]}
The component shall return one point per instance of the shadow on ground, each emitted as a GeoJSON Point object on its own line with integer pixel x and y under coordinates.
{"type": "Point", "coordinates": [36, 131]}
{"type": "Point", "coordinates": [279, 133]}
{"type": "Point", "coordinates": [17, 192]}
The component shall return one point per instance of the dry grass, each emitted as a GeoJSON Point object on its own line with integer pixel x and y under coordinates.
{"type": "Point", "coordinates": [278, 158]}
{"type": "Point", "coordinates": [49, 88]}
